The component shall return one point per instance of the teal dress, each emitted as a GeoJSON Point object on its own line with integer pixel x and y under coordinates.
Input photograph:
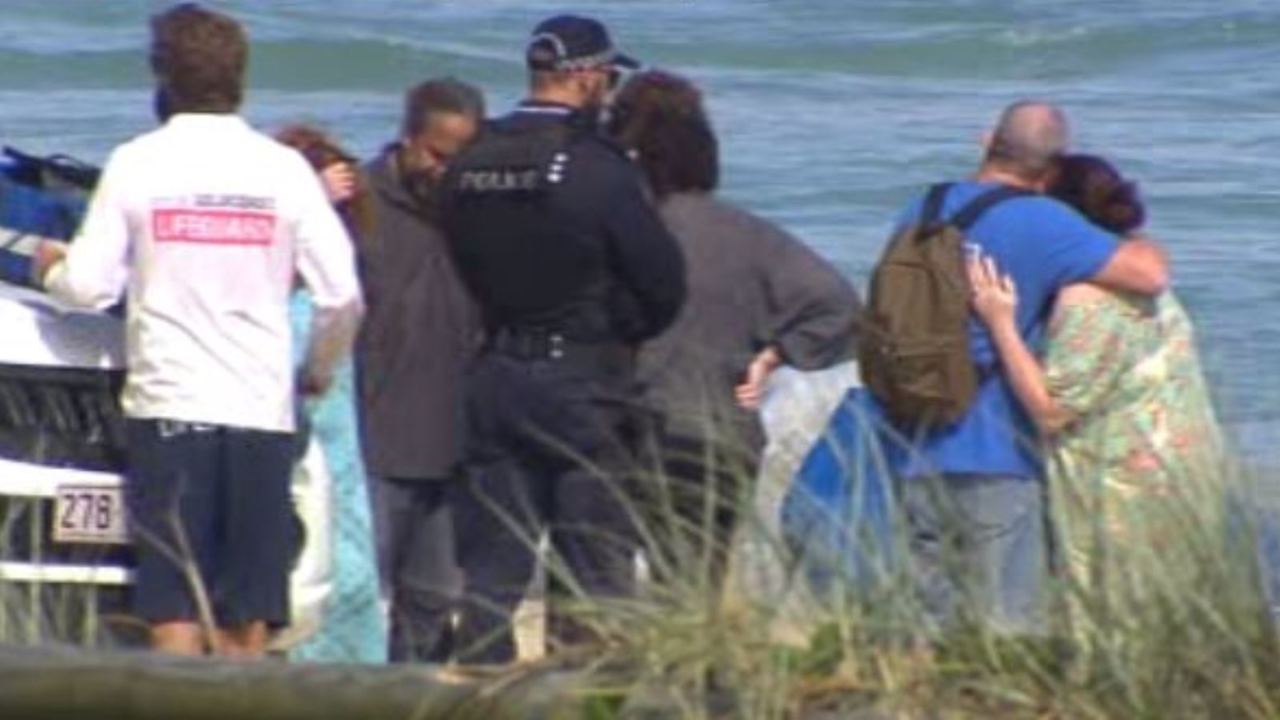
{"type": "Point", "coordinates": [353, 629]}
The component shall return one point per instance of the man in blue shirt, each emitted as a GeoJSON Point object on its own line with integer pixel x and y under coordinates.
{"type": "Point", "coordinates": [972, 492]}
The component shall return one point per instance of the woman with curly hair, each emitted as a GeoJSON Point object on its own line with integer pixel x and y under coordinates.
{"type": "Point", "coordinates": [758, 299]}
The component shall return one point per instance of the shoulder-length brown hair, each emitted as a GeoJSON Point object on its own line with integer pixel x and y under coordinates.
{"type": "Point", "coordinates": [321, 152]}
{"type": "Point", "coordinates": [659, 116]}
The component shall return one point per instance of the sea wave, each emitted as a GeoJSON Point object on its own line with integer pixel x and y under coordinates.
{"type": "Point", "coordinates": [830, 112]}
{"type": "Point", "coordinates": [995, 50]}
{"type": "Point", "coordinates": [289, 64]}
{"type": "Point", "coordinates": [355, 44]}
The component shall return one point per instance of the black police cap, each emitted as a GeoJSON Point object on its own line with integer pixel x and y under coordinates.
{"type": "Point", "coordinates": [573, 42]}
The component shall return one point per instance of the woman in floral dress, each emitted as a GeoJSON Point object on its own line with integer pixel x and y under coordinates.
{"type": "Point", "coordinates": [1133, 444]}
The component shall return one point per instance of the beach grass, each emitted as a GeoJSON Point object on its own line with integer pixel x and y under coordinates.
{"type": "Point", "coordinates": [1201, 644]}
{"type": "Point", "coordinates": [1170, 613]}
{"type": "Point", "coordinates": [1189, 632]}
{"type": "Point", "coordinates": [1198, 641]}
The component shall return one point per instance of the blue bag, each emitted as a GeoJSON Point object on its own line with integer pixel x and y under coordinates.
{"type": "Point", "coordinates": [837, 516]}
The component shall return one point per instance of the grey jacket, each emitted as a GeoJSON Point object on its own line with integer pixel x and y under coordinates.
{"type": "Point", "coordinates": [751, 284]}
{"type": "Point", "coordinates": [420, 332]}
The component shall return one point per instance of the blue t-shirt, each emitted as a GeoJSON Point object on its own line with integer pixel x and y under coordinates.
{"type": "Point", "coordinates": [1044, 245]}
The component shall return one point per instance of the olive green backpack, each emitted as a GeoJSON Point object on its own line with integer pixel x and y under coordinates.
{"type": "Point", "coordinates": [913, 351]}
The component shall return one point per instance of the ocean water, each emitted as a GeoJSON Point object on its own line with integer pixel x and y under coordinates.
{"type": "Point", "coordinates": [831, 112]}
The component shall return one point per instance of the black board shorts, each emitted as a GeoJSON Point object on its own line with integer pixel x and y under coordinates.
{"type": "Point", "coordinates": [210, 501]}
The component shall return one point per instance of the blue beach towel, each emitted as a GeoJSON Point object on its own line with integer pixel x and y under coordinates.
{"type": "Point", "coordinates": [837, 516]}
{"type": "Point", "coordinates": [353, 629]}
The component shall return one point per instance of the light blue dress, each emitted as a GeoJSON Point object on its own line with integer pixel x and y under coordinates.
{"type": "Point", "coordinates": [354, 628]}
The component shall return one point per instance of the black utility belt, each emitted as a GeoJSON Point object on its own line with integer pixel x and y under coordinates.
{"type": "Point", "coordinates": [529, 344]}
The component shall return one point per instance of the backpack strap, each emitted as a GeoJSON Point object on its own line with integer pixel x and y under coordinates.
{"type": "Point", "coordinates": [969, 214]}
{"type": "Point", "coordinates": [933, 203]}
{"type": "Point", "coordinates": [931, 211]}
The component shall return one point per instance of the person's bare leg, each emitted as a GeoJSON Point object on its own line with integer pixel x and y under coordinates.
{"type": "Point", "coordinates": [178, 638]}
{"type": "Point", "coordinates": [246, 642]}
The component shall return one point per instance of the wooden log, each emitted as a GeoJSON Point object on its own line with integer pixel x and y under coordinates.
{"type": "Point", "coordinates": [68, 684]}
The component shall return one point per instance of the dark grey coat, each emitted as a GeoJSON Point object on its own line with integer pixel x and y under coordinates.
{"type": "Point", "coordinates": [420, 332]}
{"type": "Point", "coordinates": [751, 284]}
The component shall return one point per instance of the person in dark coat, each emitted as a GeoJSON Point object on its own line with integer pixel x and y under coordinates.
{"type": "Point", "coordinates": [758, 298]}
{"type": "Point", "coordinates": [419, 335]}
{"type": "Point", "coordinates": [572, 269]}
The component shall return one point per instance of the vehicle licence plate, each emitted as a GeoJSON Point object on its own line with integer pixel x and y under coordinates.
{"type": "Point", "coordinates": [89, 514]}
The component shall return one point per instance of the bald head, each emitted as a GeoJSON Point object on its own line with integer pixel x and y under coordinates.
{"type": "Point", "coordinates": [1028, 138]}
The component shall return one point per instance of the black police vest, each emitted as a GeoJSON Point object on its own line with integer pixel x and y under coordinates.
{"type": "Point", "coordinates": [527, 251]}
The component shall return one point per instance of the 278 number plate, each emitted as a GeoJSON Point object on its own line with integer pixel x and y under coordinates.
{"type": "Point", "coordinates": [89, 514]}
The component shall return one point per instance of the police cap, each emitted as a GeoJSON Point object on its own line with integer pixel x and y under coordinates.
{"type": "Point", "coordinates": [573, 42]}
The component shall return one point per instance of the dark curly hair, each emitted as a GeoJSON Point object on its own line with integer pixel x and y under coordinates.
{"type": "Point", "coordinates": [660, 116]}
{"type": "Point", "coordinates": [199, 58]}
{"type": "Point", "coordinates": [1095, 188]}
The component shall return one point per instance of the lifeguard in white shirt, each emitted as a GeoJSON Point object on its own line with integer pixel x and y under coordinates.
{"type": "Point", "coordinates": [205, 222]}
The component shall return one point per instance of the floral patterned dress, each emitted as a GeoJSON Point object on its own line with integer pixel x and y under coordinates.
{"type": "Point", "coordinates": [1133, 476]}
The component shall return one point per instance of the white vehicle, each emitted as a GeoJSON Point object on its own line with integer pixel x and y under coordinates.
{"type": "Point", "coordinates": [65, 562]}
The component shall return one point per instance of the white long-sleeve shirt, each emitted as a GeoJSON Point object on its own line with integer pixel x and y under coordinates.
{"type": "Point", "coordinates": [205, 222]}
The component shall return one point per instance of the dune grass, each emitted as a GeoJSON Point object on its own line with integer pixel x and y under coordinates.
{"type": "Point", "coordinates": [1198, 641]}
{"type": "Point", "coordinates": [1183, 628]}
{"type": "Point", "coordinates": [1158, 608]}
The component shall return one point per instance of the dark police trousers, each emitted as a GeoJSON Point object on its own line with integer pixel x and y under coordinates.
{"type": "Point", "coordinates": [548, 451]}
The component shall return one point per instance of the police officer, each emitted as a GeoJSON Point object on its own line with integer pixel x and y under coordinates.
{"type": "Point", "coordinates": [572, 269]}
